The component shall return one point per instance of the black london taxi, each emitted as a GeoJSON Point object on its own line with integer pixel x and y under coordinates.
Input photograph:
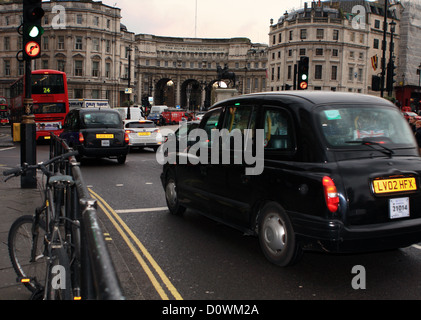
{"type": "Point", "coordinates": [96, 133]}
{"type": "Point", "coordinates": [339, 172]}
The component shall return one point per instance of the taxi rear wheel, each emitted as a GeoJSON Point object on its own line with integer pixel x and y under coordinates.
{"type": "Point", "coordinates": [121, 159]}
{"type": "Point", "coordinates": [171, 196]}
{"type": "Point", "coordinates": [277, 237]}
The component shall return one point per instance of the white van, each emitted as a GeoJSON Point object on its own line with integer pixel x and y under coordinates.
{"type": "Point", "coordinates": [135, 113]}
{"type": "Point", "coordinates": [158, 109]}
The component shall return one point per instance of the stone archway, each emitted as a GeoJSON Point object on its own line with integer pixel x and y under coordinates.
{"type": "Point", "coordinates": [165, 93]}
{"type": "Point", "coordinates": [191, 95]}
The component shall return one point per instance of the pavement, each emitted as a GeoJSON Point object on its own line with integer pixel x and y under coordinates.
{"type": "Point", "coordinates": [14, 202]}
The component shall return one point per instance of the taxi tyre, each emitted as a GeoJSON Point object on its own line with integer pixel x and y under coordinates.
{"type": "Point", "coordinates": [277, 237]}
{"type": "Point", "coordinates": [171, 195]}
{"type": "Point", "coordinates": [121, 159]}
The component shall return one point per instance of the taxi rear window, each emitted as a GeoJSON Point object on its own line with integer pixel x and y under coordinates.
{"type": "Point", "coordinates": [348, 125]}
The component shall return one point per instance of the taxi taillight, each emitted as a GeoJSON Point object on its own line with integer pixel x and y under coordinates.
{"type": "Point", "coordinates": [81, 137]}
{"type": "Point", "coordinates": [331, 194]}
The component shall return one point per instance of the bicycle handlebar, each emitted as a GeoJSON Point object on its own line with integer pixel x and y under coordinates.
{"type": "Point", "coordinates": [21, 170]}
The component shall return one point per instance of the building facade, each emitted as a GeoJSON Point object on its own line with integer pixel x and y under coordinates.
{"type": "Point", "coordinates": [408, 89]}
{"type": "Point", "coordinates": [183, 71]}
{"type": "Point", "coordinates": [342, 39]}
{"type": "Point", "coordinates": [102, 59]}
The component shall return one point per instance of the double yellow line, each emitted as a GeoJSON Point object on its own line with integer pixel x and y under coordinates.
{"type": "Point", "coordinates": [131, 240]}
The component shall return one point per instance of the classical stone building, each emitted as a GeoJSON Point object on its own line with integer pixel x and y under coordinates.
{"type": "Point", "coordinates": [343, 40]}
{"type": "Point", "coordinates": [82, 38]}
{"type": "Point", "coordinates": [101, 58]}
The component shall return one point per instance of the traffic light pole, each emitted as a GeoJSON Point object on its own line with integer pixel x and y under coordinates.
{"type": "Point", "coordinates": [391, 64]}
{"type": "Point", "coordinates": [32, 31]}
{"type": "Point", "coordinates": [28, 152]}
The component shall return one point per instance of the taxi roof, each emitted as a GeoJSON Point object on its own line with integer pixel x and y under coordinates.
{"type": "Point", "coordinates": [313, 97]}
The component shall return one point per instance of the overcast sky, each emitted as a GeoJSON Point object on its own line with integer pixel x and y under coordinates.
{"type": "Point", "coordinates": [215, 18]}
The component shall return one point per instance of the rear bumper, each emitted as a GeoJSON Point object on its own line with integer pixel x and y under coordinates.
{"type": "Point", "coordinates": [103, 152]}
{"type": "Point", "coordinates": [334, 236]}
{"type": "Point", "coordinates": [145, 144]}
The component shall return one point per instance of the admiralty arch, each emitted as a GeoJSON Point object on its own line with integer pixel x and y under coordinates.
{"type": "Point", "coordinates": [183, 71]}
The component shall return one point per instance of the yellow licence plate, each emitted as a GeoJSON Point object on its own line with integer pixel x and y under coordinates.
{"type": "Point", "coordinates": [105, 136]}
{"type": "Point", "coordinates": [144, 133]}
{"type": "Point", "coordinates": [394, 185]}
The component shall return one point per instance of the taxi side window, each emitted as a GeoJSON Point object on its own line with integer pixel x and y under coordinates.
{"type": "Point", "coordinates": [211, 122]}
{"type": "Point", "coordinates": [238, 118]}
{"type": "Point", "coordinates": [278, 133]}
{"type": "Point", "coordinates": [67, 121]}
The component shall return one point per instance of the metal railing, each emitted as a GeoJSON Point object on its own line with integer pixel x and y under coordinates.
{"type": "Point", "coordinates": [98, 276]}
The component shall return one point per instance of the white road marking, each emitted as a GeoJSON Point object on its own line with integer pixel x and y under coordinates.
{"type": "Point", "coordinates": [416, 246]}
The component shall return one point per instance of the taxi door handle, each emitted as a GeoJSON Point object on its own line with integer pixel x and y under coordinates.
{"type": "Point", "coordinates": [245, 179]}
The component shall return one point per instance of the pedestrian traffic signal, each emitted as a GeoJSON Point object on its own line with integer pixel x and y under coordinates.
{"type": "Point", "coordinates": [391, 73]}
{"type": "Point", "coordinates": [32, 29]}
{"type": "Point", "coordinates": [303, 66]}
{"type": "Point", "coordinates": [375, 83]}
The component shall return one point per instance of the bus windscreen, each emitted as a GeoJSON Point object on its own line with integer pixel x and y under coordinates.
{"type": "Point", "coordinates": [47, 84]}
{"type": "Point", "coordinates": [46, 108]}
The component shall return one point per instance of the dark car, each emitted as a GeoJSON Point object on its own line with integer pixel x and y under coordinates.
{"type": "Point", "coordinates": [96, 133]}
{"type": "Point", "coordinates": [328, 171]}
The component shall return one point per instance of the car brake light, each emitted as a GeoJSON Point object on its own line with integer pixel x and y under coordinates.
{"type": "Point", "coordinates": [81, 137]}
{"type": "Point", "coordinates": [331, 194]}
{"type": "Point", "coordinates": [126, 137]}
{"type": "Point", "coordinates": [129, 131]}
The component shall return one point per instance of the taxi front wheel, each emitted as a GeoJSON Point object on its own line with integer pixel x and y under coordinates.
{"type": "Point", "coordinates": [277, 236]}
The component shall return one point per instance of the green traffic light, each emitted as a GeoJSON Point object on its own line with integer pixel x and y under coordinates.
{"type": "Point", "coordinates": [35, 31]}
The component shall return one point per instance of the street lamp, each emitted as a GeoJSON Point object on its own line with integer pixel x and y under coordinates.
{"type": "Point", "coordinates": [419, 85]}
{"type": "Point", "coordinates": [129, 50]}
{"type": "Point", "coordinates": [419, 74]}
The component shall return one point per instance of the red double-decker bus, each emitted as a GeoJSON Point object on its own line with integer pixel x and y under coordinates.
{"type": "Point", "coordinates": [4, 111]}
{"type": "Point", "coordinates": [51, 101]}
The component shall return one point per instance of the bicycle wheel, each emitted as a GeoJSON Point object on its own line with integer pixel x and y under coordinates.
{"type": "Point", "coordinates": [20, 241]}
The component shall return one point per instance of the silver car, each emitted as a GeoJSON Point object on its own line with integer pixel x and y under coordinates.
{"type": "Point", "coordinates": [143, 133]}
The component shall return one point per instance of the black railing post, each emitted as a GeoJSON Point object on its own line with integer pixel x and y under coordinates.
{"type": "Point", "coordinates": [98, 276]}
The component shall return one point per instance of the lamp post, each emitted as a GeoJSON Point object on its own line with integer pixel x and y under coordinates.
{"type": "Point", "coordinates": [383, 63]}
{"type": "Point", "coordinates": [391, 64]}
{"type": "Point", "coordinates": [419, 86]}
{"type": "Point", "coordinates": [129, 50]}
{"type": "Point", "coordinates": [419, 76]}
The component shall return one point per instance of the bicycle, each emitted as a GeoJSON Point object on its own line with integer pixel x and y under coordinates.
{"type": "Point", "coordinates": [45, 248]}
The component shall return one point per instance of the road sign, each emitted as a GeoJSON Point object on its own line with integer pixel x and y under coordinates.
{"type": "Point", "coordinates": [303, 85]}
{"type": "Point", "coordinates": [32, 49]}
